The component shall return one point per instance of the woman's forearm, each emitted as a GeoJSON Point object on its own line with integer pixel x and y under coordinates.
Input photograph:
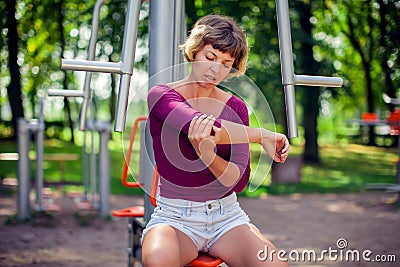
{"type": "Point", "coordinates": [235, 133]}
{"type": "Point", "coordinates": [227, 173]}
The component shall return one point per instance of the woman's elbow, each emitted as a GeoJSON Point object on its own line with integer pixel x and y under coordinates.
{"type": "Point", "coordinates": [230, 177]}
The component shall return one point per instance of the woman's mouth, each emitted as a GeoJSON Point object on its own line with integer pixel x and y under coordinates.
{"type": "Point", "coordinates": [209, 78]}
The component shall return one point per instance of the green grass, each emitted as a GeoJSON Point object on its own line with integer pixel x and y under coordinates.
{"type": "Point", "coordinates": [343, 168]}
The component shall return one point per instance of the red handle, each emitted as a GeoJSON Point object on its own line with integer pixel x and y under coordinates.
{"type": "Point", "coordinates": [124, 180]}
{"type": "Point", "coordinates": [154, 186]}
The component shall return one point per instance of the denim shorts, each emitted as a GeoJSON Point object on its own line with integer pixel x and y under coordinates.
{"type": "Point", "coordinates": [203, 222]}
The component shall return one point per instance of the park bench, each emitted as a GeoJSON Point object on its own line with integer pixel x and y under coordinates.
{"type": "Point", "coordinates": [60, 157]}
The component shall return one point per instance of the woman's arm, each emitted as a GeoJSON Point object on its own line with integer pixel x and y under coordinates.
{"type": "Point", "coordinates": [275, 144]}
{"type": "Point", "coordinates": [227, 172]}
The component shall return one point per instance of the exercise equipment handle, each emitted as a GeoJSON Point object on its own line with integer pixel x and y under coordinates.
{"type": "Point", "coordinates": [124, 175]}
{"type": "Point", "coordinates": [154, 187]}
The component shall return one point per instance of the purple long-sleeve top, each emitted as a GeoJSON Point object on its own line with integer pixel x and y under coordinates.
{"type": "Point", "coordinates": [182, 174]}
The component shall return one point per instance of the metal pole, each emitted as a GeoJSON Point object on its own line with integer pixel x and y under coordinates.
{"type": "Point", "coordinates": [23, 170]}
{"type": "Point", "coordinates": [287, 69]}
{"type": "Point", "coordinates": [179, 70]}
{"type": "Point", "coordinates": [146, 168]}
{"type": "Point", "coordinates": [85, 163]}
{"type": "Point", "coordinates": [128, 59]}
{"type": "Point", "coordinates": [289, 78]}
{"type": "Point", "coordinates": [104, 129]}
{"type": "Point", "coordinates": [86, 65]}
{"type": "Point", "coordinates": [39, 137]}
{"type": "Point", "coordinates": [92, 164]}
{"type": "Point", "coordinates": [318, 81]}
{"type": "Point", "coordinates": [91, 66]}
{"type": "Point", "coordinates": [161, 47]}
{"type": "Point", "coordinates": [124, 67]}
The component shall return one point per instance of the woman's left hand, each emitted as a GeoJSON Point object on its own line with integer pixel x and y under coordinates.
{"type": "Point", "coordinates": [276, 145]}
{"type": "Point", "coordinates": [200, 136]}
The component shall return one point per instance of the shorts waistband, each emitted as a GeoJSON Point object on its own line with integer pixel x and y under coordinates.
{"type": "Point", "coordinates": [208, 206]}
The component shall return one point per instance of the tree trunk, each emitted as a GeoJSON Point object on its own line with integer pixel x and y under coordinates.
{"type": "Point", "coordinates": [310, 96]}
{"type": "Point", "coordinates": [14, 88]}
{"type": "Point", "coordinates": [390, 90]}
{"type": "Point", "coordinates": [366, 60]}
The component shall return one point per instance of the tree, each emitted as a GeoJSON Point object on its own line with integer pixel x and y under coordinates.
{"type": "Point", "coordinates": [360, 38]}
{"type": "Point", "coordinates": [389, 42]}
{"type": "Point", "coordinates": [310, 95]}
{"type": "Point", "coordinates": [14, 88]}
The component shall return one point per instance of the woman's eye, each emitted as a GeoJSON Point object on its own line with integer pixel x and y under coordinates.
{"type": "Point", "coordinates": [209, 58]}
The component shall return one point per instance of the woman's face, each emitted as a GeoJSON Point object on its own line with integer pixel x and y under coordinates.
{"type": "Point", "coordinates": [211, 66]}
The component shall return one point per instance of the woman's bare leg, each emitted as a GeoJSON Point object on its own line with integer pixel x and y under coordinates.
{"type": "Point", "coordinates": [241, 247]}
{"type": "Point", "coordinates": [165, 246]}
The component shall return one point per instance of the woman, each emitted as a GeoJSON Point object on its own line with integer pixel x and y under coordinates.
{"type": "Point", "coordinates": [201, 146]}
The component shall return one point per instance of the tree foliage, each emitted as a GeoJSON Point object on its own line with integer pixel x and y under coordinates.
{"type": "Point", "coordinates": [356, 40]}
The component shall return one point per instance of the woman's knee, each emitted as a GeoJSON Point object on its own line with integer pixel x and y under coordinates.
{"type": "Point", "coordinates": [159, 256]}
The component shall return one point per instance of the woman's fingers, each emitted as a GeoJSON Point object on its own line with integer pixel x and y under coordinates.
{"type": "Point", "coordinates": [282, 149]}
{"type": "Point", "coordinates": [200, 127]}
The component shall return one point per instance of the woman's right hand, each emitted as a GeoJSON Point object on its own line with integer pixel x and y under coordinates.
{"type": "Point", "coordinates": [200, 137]}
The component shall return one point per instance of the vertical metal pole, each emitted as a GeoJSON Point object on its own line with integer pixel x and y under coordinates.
{"type": "Point", "coordinates": [85, 162]}
{"type": "Point", "coordinates": [23, 170]}
{"type": "Point", "coordinates": [161, 41]}
{"type": "Point", "coordinates": [39, 136]}
{"type": "Point", "coordinates": [91, 56]}
{"type": "Point", "coordinates": [127, 58]}
{"type": "Point", "coordinates": [104, 129]}
{"type": "Point", "coordinates": [287, 69]}
{"type": "Point", "coordinates": [161, 47]}
{"type": "Point", "coordinates": [92, 164]}
{"type": "Point", "coordinates": [146, 167]}
{"type": "Point", "coordinates": [179, 70]}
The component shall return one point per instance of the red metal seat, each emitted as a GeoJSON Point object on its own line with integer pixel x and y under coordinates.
{"type": "Point", "coordinates": [394, 122]}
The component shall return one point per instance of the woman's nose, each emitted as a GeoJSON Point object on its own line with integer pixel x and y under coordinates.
{"type": "Point", "coordinates": [215, 67]}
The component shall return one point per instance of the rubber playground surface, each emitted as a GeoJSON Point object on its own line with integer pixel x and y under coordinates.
{"type": "Point", "coordinates": [313, 230]}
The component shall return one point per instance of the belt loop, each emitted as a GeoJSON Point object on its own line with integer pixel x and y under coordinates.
{"type": "Point", "coordinates": [221, 207]}
{"type": "Point", "coordinates": [188, 208]}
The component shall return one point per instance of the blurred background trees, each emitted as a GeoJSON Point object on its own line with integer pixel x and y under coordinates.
{"type": "Point", "coordinates": [356, 40]}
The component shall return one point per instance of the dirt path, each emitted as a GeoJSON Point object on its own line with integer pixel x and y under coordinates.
{"type": "Point", "coordinates": [366, 221]}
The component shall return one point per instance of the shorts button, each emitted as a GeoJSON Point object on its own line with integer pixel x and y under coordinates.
{"type": "Point", "coordinates": [209, 206]}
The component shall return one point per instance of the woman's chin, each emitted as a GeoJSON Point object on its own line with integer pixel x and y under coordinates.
{"type": "Point", "coordinates": [207, 84]}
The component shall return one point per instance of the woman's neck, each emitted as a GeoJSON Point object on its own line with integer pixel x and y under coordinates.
{"type": "Point", "coordinates": [193, 89]}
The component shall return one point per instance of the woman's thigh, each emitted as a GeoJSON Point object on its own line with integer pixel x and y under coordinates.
{"type": "Point", "coordinates": [164, 245]}
{"type": "Point", "coordinates": [241, 246]}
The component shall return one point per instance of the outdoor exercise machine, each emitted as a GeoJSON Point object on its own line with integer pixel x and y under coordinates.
{"type": "Point", "coordinates": [27, 129]}
{"type": "Point", "coordinates": [43, 201]}
{"type": "Point", "coordinates": [394, 122]}
{"type": "Point", "coordinates": [391, 125]}
{"type": "Point", "coordinates": [167, 29]}
{"type": "Point", "coordinates": [92, 200]}
{"type": "Point", "coordinates": [136, 214]}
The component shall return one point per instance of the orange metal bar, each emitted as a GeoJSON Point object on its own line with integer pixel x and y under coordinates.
{"type": "Point", "coordinates": [124, 176]}
{"type": "Point", "coordinates": [154, 187]}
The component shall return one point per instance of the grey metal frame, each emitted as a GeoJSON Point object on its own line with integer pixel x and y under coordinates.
{"type": "Point", "coordinates": [174, 12]}
{"type": "Point", "coordinates": [289, 78]}
{"type": "Point", "coordinates": [25, 130]}
{"type": "Point", "coordinates": [124, 67]}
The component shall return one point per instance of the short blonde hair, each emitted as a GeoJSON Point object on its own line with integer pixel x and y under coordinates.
{"type": "Point", "coordinates": [224, 34]}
